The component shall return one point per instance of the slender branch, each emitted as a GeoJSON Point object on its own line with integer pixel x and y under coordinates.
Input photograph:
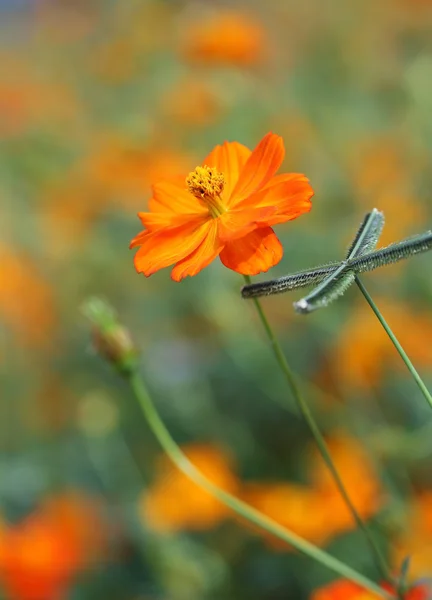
{"type": "Point", "coordinates": [241, 508]}
{"type": "Point", "coordinates": [316, 433]}
{"type": "Point", "coordinates": [395, 342]}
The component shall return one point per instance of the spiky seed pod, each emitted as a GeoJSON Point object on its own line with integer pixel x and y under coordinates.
{"type": "Point", "coordinates": [331, 288]}
{"type": "Point", "coordinates": [393, 253]}
{"type": "Point", "coordinates": [367, 235]}
{"type": "Point", "coordinates": [289, 282]}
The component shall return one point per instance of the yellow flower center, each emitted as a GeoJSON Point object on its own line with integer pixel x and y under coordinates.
{"type": "Point", "coordinates": [207, 184]}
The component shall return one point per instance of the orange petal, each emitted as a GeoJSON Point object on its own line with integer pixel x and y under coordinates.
{"type": "Point", "coordinates": [233, 225]}
{"type": "Point", "coordinates": [207, 251]}
{"type": "Point", "coordinates": [229, 159]}
{"type": "Point", "coordinates": [153, 221]}
{"type": "Point", "coordinates": [257, 252]}
{"type": "Point", "coordinates": [167, 246]}
{"type": "Point", "coordinates": [278, 189]}
{"type": "Point", "coordinates": [261, 166]}
{"type": "Point", "coordinates": [340, 589]}
{"type": "Point", "coordinates": [172, 196]}
{"type": "Point", "coordinates": [289, 194]}
{"type": "Point", "coordinates": [139, 239]}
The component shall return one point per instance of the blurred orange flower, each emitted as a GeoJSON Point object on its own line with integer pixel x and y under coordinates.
{"type": "Point", "coordinates": [296, 507]}
{"type": "Point", "coordinates": [40, 555]}
{"type": "Point", "coordinates": [116, 173]}
{"type": "Point", "coordinates": [192, 101]}
{"type": "Point", "coordinates": [224, 208]}
{"type": "Point", "coordinates": [358, 474]}
{"type": "Point", "coordinates": [122, 171]}
{"type": "Point", "coordinates": [347, 590]}
{"type": "Point", "coordinates": [29, 100]}
{"type": "Point", "coordinates": [66, 223]}
{"type": "Point", "coordinates": [317, 512]}
{"type": "Point", "coordinates": [363, 350]}
{"type": "Point", "coordinates": [383, 169]}
{"type": "Point", "coordinates": [20, 280]}
{"type": "Point", "coordinates": [416, 541]}
{"type": "Point", "coordinates": [174, 502]}
{"type": "Point", "coordinates": [404, 215]}
{"type": "Point", "coordinates": [224, 37]}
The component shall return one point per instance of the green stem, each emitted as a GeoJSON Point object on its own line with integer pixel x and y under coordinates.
{"type": "Point", "coordinates": [241, 508]}
{"type": "Point", "coordinates": [317, 435]}
{"type": "Point", "coordinates": [395, 342]}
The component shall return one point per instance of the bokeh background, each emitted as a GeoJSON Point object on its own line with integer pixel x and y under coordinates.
{"type": "Point", "coordinates": [100, 98]}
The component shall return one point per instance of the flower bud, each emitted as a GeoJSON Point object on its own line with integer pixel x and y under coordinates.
{"type": "Point", "coordinates": [111, 340]}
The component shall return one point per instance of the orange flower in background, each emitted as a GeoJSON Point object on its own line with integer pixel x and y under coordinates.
{"type": "Point", "coordinates": [416, 540]}
{"type": "Point", "coordinates": [358, 474]}
{"type": "Point", "coordinates": [363, 351]}
{"type": "Point", "coordinates": [32, 322]}
{"type": "Point", "coordinates": [384, 170]}
{"type": "Point", "coordinates": [67, 223]}
{"type": "Point", "coordinates": [40, 555]}
{"type": "Point", "coordinates": [296, 507]}
{"type": "Point", "coordinates": [316, 511]}
{"type": "Point", "coordinates": [26, 104]}
{"type": "Point", "coordinates": [342, 589]}
{"type": "Point", "coordinates": [115, 174]}
{"type": "Point", "coordinates": [121, 170]}
{"type": "Point", "coordinates": [225, 37]}
{"type": "Point", "coordinates": [174, 502]}
{"type": "Point", "coordinates": [223, 208]}
{"type": "Point", "coordinates": [193, 101]}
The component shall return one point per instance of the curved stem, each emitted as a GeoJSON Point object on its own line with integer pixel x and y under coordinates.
{"type": "Point", "coordinates": [317, 435]}
{"type": "Point", "coordinates": [395, 342]}
{"type": "Point", "coordinates": [241, 508]}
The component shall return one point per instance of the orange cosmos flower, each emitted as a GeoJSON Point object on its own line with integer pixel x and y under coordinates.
{"type": "Point", "coordinates": [223, 208]}
{"type": "Point", "coordinates": [225, 38]}
{"type": "Point", "coordinates": [174, 502]}
{"type": "Point", "coordinates": [298, 508]}
{"type": "Point", "coordinates": [41, 555]}
{"type": "Point", "coordinates": [359, 476]}
{"type": "Point", "coordinates": [32, 322]}
{"type": "Point", "coordinates": [362, 354]}
{"type": "Point", "coordinates": [342, 589]}
{"type": "Point", "coordinates": [416, 540]}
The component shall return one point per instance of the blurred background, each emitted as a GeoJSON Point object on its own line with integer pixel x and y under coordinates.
{"type": "Point", "coordinates": [100, 98]}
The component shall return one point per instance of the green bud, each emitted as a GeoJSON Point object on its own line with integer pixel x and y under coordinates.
{"type": "Point", "coordinates": [111, 340]}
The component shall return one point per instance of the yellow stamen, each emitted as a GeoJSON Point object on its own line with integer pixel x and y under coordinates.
{"type": "Point", "coordinates": [207, 184]}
